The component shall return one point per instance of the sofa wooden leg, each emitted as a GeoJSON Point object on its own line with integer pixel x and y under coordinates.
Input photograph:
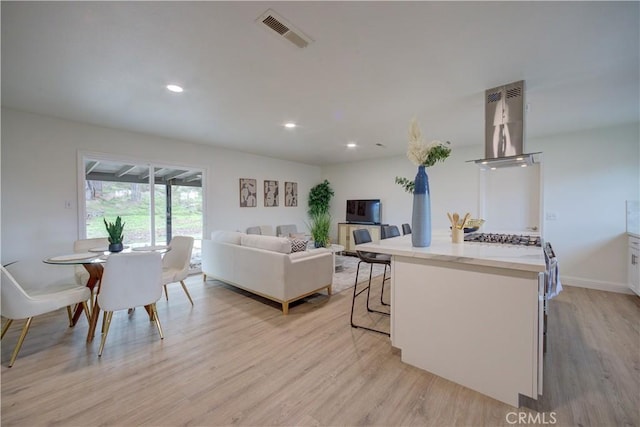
{"type": "Point", "coordinates": [329, 290]}
{"type": "Point", "coordinates": [285, 307]}
{"type": "Point", "coordinates": [204, 277]}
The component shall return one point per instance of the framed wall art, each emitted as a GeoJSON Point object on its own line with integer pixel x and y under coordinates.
{"type": "Point", "coordinates": [271, 193]}
{"type": "Point", "coordinates": [248, 193]}
{"type": "Point", "coordinates": [291, 193]}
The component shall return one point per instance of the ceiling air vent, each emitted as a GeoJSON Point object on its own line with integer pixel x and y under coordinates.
{"type": "Point", "coordinates": [277, 23]}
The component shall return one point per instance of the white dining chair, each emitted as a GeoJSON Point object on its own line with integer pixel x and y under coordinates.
{"type": "Point", "coordinates": [83, 245]}
{"type": "Point", "coordinates": [20, 303]}
{"type": "Point", "coordinates": [176, 263]}
{"type": "Point", "coordinates": [130, 280]}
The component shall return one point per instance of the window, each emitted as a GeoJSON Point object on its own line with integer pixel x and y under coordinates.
{"type": "Point", "coordinates": [116, 188]}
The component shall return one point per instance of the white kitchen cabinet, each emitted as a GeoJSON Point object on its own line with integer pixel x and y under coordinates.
{"type": "Point", "coordinates": [472, 314]}
{"type": "Point", "coordinates": [345, 234]}
{"type": "Point", "coordinates": [633, 264]}
{"type": "Point", "coordinates": [448, 320]}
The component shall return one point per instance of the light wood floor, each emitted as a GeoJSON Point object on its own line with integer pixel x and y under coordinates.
{"type": "Point", "coordinates": [234, 359]}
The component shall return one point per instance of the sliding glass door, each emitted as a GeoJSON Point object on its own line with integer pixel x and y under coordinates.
{"type": "Point", "coordinates": [115, 188]}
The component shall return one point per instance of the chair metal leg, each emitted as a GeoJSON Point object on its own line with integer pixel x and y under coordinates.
{"type": "Point", "coordinates": [16, 350]}
{"type": "Point", "coordinates": [157, 319]}
{"type": "Point", "coordinates": [369, 309]}
{"type": "Point", "coordinates": [383, 280]}
{"type": "Point", "coordinates": [85, 308]}
{"type": "Point", "coordinates": [353, 301]}
{"type": "Point", "coordinates": [166, 294]}
{"type": "Point", "coordinates": [369, 287]}
{"type": "Point", "coordinates": [5, 328]}
{"type": "Point", "coordinates": [106, 322]}
{"type": "Point", "coordinates": [70, 316]}
{"type": "Point", "coordinates": [149, 311]}
{"type": "Point", "coordinates": [186, 291]}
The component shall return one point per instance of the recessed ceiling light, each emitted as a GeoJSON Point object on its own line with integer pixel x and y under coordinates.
{"type": "Point", "coordinates": [493, 169]}
{"type": "Point", "coordinates": [290, 125]}
{"type": "Point", "coordinates": [523, 166]}
{"type": "Point", "coordinates": [175, 88]}
{"type": "Point", "coordinates": [352, 145]}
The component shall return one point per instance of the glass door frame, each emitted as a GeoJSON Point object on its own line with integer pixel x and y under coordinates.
{"type": "Point", "coordinates": [151, 164]}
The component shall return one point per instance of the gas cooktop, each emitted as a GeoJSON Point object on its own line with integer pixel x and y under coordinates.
{"type": "Point", "coordinates": [504, 239]}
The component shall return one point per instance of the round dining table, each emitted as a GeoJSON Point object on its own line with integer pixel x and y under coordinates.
{"type": "Point", "coordinates": [93, 261]}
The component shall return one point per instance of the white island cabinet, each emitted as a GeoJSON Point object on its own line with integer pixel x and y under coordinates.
{"type": "Point", "coordinates": [471, 313]}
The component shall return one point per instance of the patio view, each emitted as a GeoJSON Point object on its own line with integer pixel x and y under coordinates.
{"type": "Point", "coordinates": [182, 216]}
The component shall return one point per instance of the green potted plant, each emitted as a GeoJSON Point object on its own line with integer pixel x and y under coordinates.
{"type": "Point", "coordinates": [319, 229]}
{"type": "Point", "coordinates": [114, 229]}
{"type": "Point", "coordinates": [319, 198]}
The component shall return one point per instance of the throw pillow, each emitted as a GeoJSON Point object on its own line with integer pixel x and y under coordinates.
{"type": "Point", "coordinates": [297, 236]}
{"type": "Point", "coordinates": [298, 245]}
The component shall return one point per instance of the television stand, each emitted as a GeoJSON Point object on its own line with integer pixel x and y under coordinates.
{"type": "Point", "coordinates": [345, 234]}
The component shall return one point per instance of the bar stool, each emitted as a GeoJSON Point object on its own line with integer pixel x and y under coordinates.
{"type": "Point", "coordinates": [362, 236]}
{"type": "Point", "coordinates": [388, 231]}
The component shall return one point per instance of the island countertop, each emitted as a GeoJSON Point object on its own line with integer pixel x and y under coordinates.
{"type": "Point", "coordinates": [513, 257]}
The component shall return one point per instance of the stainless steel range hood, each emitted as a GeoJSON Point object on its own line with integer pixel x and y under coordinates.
{"type": "Point", "coordinates": [504, 128]}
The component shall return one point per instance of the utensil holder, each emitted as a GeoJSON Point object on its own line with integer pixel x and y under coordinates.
{"type": "Point", "coordinates": [457, 235]}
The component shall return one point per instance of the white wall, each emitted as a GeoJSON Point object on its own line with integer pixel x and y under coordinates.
{"type": "Point", "coordinates": [453, 185]}
{"type": "Point", "coordinates": [39, 172]}
{"type": "Point", "coordinates": [587, 176]}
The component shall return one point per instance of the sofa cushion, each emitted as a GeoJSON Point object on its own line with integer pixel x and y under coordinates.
{"type": "Point", "coordinates": [254, 230]}
{"type": "Point", "coordinates": [267, 230]}
{"type": "Point", "coordinates": [298, 245]}
{"type": "Point", "coordinates": [269, 243]}
{"type": "Point", "coordinates": [286, 230]}
{"type": "Point", "coordinates": [233, 237]}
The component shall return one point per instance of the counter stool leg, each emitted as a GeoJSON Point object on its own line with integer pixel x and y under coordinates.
{"type": "Point", "coordinates": [353, 301]}
{"type": "Point", "coordinates": [383, 280]}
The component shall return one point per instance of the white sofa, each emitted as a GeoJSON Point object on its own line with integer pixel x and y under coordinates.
{"type": "Point", "coordinates": [265, 266]}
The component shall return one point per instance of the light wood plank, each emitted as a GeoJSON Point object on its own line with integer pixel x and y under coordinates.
{"type": "Point", "coordinates": [234, 358]}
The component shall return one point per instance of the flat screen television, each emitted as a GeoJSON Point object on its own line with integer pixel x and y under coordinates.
{"type": "Point", "coordinates": [363, 211]}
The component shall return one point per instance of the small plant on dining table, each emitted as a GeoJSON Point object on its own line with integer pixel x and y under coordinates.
{"type": "Point", "coordinates": [114, 230]}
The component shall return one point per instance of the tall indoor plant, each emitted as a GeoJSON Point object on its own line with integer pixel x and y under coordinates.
{"type": "Point", "coordinates": [319, 203]}
{"type": "Point", "coordinates": [320, 198]}
{"type": "Point", "coordinates": [319, 228]}
{"type": "Point", "coordinates": [114, 230]}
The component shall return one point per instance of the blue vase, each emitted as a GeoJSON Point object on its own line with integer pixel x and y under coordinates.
{"type": "Point", "coordinates": [421, 217]}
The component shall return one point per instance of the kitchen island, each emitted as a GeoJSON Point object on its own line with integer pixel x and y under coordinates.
{"type": "Point", "coordinates": [471, 312]}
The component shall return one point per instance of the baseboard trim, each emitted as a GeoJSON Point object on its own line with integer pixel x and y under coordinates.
{"type": "Point", "coordinates": [596, 284]}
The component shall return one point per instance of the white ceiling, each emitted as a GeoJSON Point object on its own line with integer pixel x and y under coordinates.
{"type": "Point", "coordinates": [371, 68]}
